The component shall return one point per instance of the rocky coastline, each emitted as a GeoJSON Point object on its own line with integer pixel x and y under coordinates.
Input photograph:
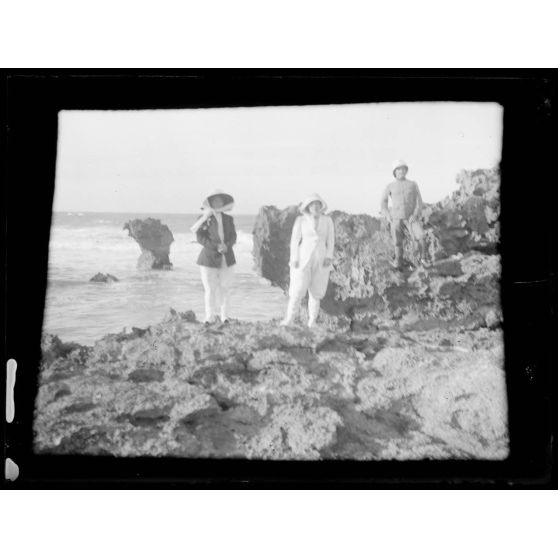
{"type": "Point", "coordinates": [401, 366]}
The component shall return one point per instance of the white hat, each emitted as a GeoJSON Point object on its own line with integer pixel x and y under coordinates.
{"type": "Point", "coordinates": [228, 200]}
{"type": "Point", "coordinates": [397, 164]}
{"type": "Point", "coordinates": [314, 197]}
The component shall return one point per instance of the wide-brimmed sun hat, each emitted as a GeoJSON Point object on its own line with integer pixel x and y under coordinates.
{"type": "Point", "coordinates": [397, 164]}
{"type": "Point", "coordinates": [314, 197]}
{"type": "Point", "coordinates": [228, 200]}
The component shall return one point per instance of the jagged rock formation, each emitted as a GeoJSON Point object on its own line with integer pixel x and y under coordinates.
{"type": "Point", "coordinates": [103, 278]}
{"type": "Point", "coordinates": [154, 239]}
{"type": "Point", "coordinates": [272, 236]}
{"type": "Point", "coordinates": [401, 366]}
{"type": "Point", "coordinates": [469, 218]}
{"type": "Point", "coordinates": [462, 286]}
{"type": "Point", "coordinates": [257, 390]}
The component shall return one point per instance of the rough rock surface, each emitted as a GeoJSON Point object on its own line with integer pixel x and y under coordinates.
{"type": "Point", "coordinates": [103, 278]}
{"type": "Point", "coordinates": [257, 390]}
{"type": "Point", "coordinates": [154, 239]}
{"type": "Point", "coordinates": [462, 286]}
{"type": "Point", "coordinates": [469, 218]}
{"type": "Point", "coordinates": [401, 366]}
{"type": "Point", "coordinates": [272, 237]}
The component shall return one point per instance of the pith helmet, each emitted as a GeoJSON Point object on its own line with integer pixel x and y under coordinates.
{"type": "Point", "coordinates": [397, 164]}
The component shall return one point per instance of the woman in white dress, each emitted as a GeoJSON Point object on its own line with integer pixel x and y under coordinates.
{"type": "Point", "coordinates": [311, 258]}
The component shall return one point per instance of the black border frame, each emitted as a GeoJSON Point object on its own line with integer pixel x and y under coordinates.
{"type": "Point", "coordinates": [32, 101]}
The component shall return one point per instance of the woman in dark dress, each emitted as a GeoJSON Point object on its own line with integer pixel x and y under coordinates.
{"type": "Point", "coordinates": [216, 232]}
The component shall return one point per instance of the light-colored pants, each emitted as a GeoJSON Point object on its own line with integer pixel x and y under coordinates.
{"type": "Point", "coordinates": [217, 282]}
{"type": "Point", "coordinates": [313, 278]}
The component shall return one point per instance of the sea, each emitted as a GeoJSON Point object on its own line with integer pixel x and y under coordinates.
{"type": "Point", "coordinates": [83, 244]}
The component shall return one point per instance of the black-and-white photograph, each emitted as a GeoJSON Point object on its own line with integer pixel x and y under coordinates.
{"type": "Point", "coordinates": [315, 282]}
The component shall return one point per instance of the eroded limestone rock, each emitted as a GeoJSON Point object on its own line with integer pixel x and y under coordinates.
{"type": "Point", "coordinates": [462, 285]}
{"type": "Point", "coordinates": [154, 239]}
{"type": "Point", "coordinates": [259, 390]}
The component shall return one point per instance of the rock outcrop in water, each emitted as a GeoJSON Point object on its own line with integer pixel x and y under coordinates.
{"type": "Point", "coordinates": [257, 390]}
{"type": "Point", "coordinates": [462, 286]}
{"type": "Point", "coordinates": [103, 278]}
{"type": "Point", "coordinates": [154, 239]}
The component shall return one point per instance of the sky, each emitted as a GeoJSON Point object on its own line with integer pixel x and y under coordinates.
{"type": "Point", "coordinates": [168, 161]}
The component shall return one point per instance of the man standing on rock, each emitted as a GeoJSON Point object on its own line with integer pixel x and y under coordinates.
{"type": "Point", "coordinates": [404, 214]}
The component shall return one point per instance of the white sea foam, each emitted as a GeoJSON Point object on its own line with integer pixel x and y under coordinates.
{"type": "Point", "coordinates": [82, 311]}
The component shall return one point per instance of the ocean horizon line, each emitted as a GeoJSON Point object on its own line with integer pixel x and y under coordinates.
{"type": "Point", "coordinates": [78, 212]}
